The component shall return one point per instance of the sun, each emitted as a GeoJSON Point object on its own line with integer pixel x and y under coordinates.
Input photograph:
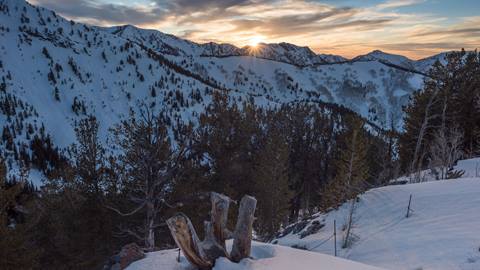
{"type": "Point", "coordinates": [254, 41]}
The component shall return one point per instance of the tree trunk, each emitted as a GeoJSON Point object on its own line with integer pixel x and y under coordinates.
{"type": "Point", "coordinates": [416, 163]}
{"type": "Point", "coordinates": [346, 242]}
{"type": "Point", "coordinates": [243, 230]}
{"type": "Point", "coordinates": [150, 233]}
{"type": "Point", "coordinates": [203, 254]}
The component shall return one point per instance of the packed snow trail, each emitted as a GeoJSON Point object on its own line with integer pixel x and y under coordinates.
{"type": "Point", "coordinates": [442, 232]}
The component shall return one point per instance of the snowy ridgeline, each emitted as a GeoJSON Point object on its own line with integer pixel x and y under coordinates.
{"type": "Point", "coordinates": [264, 256]}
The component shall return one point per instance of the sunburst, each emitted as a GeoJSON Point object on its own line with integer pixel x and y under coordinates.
{"type": "Point", "coordinates": [255, 41]}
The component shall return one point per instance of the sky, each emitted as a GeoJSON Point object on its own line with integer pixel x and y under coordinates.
{"type": "Point", "coordinates": [414, 28]}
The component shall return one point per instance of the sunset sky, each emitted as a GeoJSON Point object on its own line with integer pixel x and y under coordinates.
{"type": "Point", "coordinates": [415, 28]}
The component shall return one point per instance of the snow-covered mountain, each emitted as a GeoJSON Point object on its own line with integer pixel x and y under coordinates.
{"type": "Point", "coordinates": [54, 71]}
{"type": "Point", "coordinates": [387, 58]}
{"type": "Point", "coordinates": [425, 63]}
{"type": "Point", "coordinates": [171, 45]}
{"type": "Point", "coordinates": [422, 66]}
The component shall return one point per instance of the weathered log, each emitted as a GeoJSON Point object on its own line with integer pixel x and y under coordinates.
{"type": "Point", "coordinates": [242, 236]}
{"type": "Point", "coordinates": [211, 247]}
{"type": "Point", "coordinates": [187, 240]}
{"type": "Point", "coordinates": [219, 216]}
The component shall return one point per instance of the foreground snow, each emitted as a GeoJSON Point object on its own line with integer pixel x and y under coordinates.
{"type": "Point", "coordinates": [264, 256]}
{"type": "Point", "coordinates": [443, 231]}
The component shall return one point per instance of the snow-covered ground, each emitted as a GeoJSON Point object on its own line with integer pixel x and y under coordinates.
{"type": "Point", "coordinates": [264, 256]}
{"type": "Point", "coordinates": [443, 231]}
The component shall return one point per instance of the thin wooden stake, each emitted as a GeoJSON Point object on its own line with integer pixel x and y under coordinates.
{"type": "Point", "coordinates": [335, 236]}
{"type": "Point", "coordinates": [408, 209]}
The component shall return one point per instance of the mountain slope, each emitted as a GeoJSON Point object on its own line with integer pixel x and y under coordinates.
{"type": "Point", "coordinates": [54, 72]}
{"type": "Point", "coordinates": [441, 232]}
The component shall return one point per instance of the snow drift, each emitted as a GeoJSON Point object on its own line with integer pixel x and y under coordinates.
{"type": "Point", "coordinates": [264, 256]}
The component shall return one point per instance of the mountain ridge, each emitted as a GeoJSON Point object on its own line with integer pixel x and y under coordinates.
{"type": "Point", "coordinates": [301, 56]}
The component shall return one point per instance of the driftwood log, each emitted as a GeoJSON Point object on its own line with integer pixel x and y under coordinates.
{"type": "Point", "coordinates": [204, 253]}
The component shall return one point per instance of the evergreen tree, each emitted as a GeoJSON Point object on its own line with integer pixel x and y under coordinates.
{"type": "Point", "coordinates": [226, 138]}
{"type": "Point", "coordinates": [352, 168]}
{"type": "Point", "coordinates": [16, 248]}
{"type": "Point", "coordinates": [150, 167]}
{"type": "Point", "coordinates": [352, 171]}
{"type": "Point", "coordinates": [75, 227]}
{"type": "Point", "coordinates": [271, 185]}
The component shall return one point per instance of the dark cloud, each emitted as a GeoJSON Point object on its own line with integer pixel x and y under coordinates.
{"type": "Point", "coordinates": [201, 5]}
{"type": "Point", "coordinates": [111, 13]}
{"type": "Point", "coordinates": [301, 20]}
{"type": "Point", "coordinates": [294, 25]}
{"type": "Point", "coordinates": [212, 10]}
{"type": "Point", "coordinates": [206, 10]}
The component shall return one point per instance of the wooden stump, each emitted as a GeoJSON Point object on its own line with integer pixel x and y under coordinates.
{"type": "Point", "coordinates": [203, 254]}
{"type": "Point", "coordinates": [211, 247]}
{"type": "Point", "coordinates": [219, 216]}
{"type": "Point", "coordinates": [187, 240]}
{"type": "Point", "coordinates": [242, 236]}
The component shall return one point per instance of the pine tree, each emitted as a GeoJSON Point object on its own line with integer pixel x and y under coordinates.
{"type": "Point", "coordinates": [352, 170]}
{"type": "Point", "coordinates": [226, 137]}
{"type": "Point", "coordinates": [75, 227]}
{"type": "Point", "coordinates": [352, 165]}
{"type": "Point", "coordinates": [15, 247]}
{"type": "Point", "coordinates": [89, 158]}
{"type": "Point", "coordinates": [271, 185]}
{"type": "Point", "coordinates": [150, 167]}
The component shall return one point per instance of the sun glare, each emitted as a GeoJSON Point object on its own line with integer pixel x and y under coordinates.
{"type": "Point", "coordinates": [254, 41]}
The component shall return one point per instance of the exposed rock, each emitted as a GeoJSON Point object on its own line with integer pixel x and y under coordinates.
{"type": "Point", "coordinates": [294, 228]}
{"type": "Point", "coordinates": [128, 254]}
{"type": "Point", "coordinates": [313, 228]}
